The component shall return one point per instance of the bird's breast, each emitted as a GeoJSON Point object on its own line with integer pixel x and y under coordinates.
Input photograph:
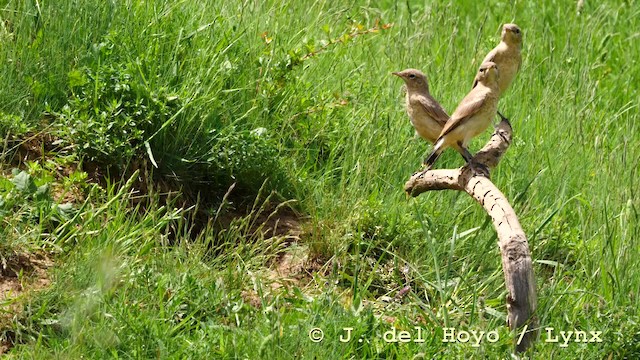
{"type": "Point", "coordinates": [483, 118]}
{"type": "Point", "coordinates": [508, 68]}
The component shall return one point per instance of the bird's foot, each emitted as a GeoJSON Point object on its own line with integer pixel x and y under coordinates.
{"type": "Point", "coordinates": [479, 169]}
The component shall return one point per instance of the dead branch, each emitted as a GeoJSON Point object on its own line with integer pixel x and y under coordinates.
{"type": "Point", "coordinates": [514, 248]}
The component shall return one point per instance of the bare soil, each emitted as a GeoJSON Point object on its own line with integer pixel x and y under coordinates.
{"type": "Point", "coordinates": [20, 275]}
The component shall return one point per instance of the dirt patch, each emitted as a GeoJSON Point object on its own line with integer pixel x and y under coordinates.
{"type": "Point", "coordinates": [283, 223]}
{"type": "Point", "coordinates": [25, 264]}
{"type": "Point", "coordinates": [290, 267]}
{"type": "Point", "coordinates": [295, 267]}
{"type": "Point", "coordinates": [31, 147]}
{"type": "Point", "coordinates": [36, 147]}
{"type": "Point", "coordinates": [20, 274]}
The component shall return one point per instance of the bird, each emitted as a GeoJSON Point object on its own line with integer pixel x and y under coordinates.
{"type": "Point", "coordinates": [425, 113]}
{"type": "Point", "coordinates": [472, 116]}
{"type": "Point", "coordinates": [507, 56]}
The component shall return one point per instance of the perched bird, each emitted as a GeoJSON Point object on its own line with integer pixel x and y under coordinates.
{"type": "Point", "coordinates": [507, 56]}
{"type": "Point", "coordinates": [472, 116]}
{"type": "Point", "coordinates": [425, 113]}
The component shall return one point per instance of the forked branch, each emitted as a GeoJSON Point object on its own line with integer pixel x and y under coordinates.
{"type": "Point", "coordinates": [514, 248]}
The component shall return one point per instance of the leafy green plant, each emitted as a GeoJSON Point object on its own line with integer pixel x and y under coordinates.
{"type": "Point", "coordinates": [27, 210]}
{"type": "Point", "coordinates": [110, 113]}
{"type": "Point", "coordinates": [31, 200]}
{"type": "Point", "coordinates": [246, 157]}
{"type": "Point", "coordinates": [12, 124]}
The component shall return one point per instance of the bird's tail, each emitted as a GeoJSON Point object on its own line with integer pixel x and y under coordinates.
{"type": "Point", "coordinates": [437, 150]}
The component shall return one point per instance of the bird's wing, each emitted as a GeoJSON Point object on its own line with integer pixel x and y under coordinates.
{"type": "Point", "coordinates": [470, 105]}
{"type": "Point", "coordinates": [433, 109]}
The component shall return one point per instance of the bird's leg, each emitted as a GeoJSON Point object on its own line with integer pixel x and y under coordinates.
{"type": "Point", "coordinates": [466, 154]}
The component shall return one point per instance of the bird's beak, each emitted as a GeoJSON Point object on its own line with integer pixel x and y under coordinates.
{"type": "Point", "coordinates": [396, 74]}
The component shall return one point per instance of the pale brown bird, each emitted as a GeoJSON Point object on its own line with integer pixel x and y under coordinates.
{"type": "Point", "coordinates": [507, 56]}
{"type": "Point", "coordinates": [426, 115]}
{"type": "Point", "coordinates": [472, 116]}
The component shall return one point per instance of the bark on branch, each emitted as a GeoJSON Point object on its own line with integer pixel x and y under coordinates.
{"type": "Point", "coordinates": [514, 248]}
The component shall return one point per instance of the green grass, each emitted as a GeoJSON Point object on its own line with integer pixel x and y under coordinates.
{"type": "Point", "coordinates": [203, 95]}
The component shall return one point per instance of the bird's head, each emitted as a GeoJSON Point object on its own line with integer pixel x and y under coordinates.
{"type": "Point", "coordinates": [511, 34]}
{"type": "Point", "coordinates": [487, 74]}
{"type": "Point", "coordinates": [414, 79]}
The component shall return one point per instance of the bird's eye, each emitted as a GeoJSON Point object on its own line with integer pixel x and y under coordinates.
{"type": "Point", "coordinates": [517, 31]}
{"type": "Point", "coordinates": [482, 70]}
{"type": "Point", "coordinates": [412, 76]}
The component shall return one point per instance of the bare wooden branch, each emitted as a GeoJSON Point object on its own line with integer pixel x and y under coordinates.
{"type": "Point", "coordinates": [514, 248]}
